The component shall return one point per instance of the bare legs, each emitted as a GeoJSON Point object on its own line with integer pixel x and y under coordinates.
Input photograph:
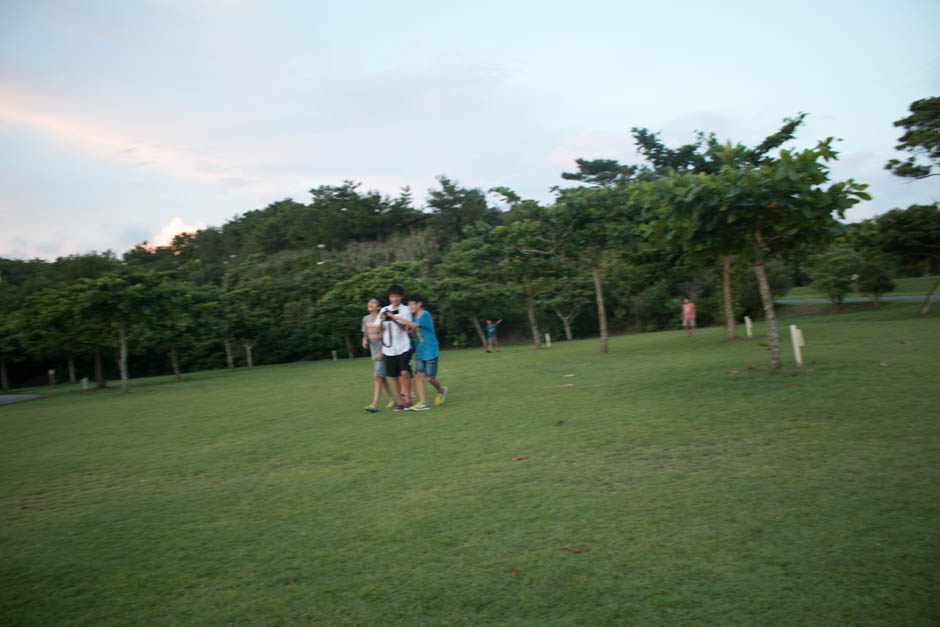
{"type": "Point", "coordinates": [420, 385]}
{"type": "Point", "coordinates": [379, 383]}
{"type": "Point", "coordinates": [403, 388]}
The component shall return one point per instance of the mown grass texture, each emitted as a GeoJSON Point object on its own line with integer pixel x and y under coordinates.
{"type": "Point", "coordinates": [701, 491]}
{"type": "Point", "coordinates": [908, 286]}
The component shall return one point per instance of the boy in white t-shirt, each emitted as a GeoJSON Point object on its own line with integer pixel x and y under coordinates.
{"type": "Point", "coordinates": [396, 345]}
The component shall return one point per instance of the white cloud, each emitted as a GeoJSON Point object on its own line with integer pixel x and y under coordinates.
{"type": "Point", "coordinates": [174, 228]}
{"type": "Point", "coordinates": [209, 108]}
{"type": "Point", "coordinates": [104, 141]}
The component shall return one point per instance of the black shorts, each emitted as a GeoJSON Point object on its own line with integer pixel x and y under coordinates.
{"type": "Point", "coordinates": [396, 364]}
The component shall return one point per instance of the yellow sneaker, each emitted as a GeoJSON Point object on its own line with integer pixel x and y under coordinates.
{"type": "Point", "coordinates": [440, 398]}
{"type": "Point", "coordinates": [390, 405]}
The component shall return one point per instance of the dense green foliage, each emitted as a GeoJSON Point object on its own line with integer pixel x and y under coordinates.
{"type": "Point", "coordinates": [834, 272]}
{"type": "Point", "coordinates": [921, 138]}
{"type": "Point", "coordinates": [289, 282]}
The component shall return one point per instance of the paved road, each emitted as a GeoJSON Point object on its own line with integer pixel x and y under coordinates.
{"type": "Point", "coordinates": [850, 299]}
{"type": "Point", "coordinates": [13, 398]}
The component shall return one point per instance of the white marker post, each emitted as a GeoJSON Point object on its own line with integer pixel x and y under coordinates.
{"type": "Point", "coordinates": [335, 356]}
{"type": "Point", "coordinates": [748, 326]}
{"type": "Point", "coordinates": [548, 341]}
{"type": "Point", "coordinates": [796, 336]}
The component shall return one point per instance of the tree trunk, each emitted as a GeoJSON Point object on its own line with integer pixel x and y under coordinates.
{"type": "Point", "coordinates": [476, 325]}
{"type": "Point", "coordinates": [122, 355]}
{"type": "Point", "coordinates": [349, 348]}
{"type": "Point", "coordinates": [601, 311]}
{"type": "Point", "coordinates": [530, 309]}
{"type": "Point", "coordinates": [175, 363]}
{"type": "Point", "coordinates": [99, 371]}
{"type": "Point", "coordinates": [248, 347]}
{"type": "Point", "coordinates": [71, 365]}
{"type": "Point", "coordinates": [228, 354]}
{"type": "Point", "coordinates": [4, 382]}
{"type": "Point", "coordinates": [728, 303]}
{"type": "Point", "coordinates": [926, 306]}
{"type": "Point", "coordinates": [773, 339]}
{"type": "Point", "coordinates": [566, 320]}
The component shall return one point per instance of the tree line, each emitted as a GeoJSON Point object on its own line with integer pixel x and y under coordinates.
{"type": "Point", "coordinates": [725, 224]}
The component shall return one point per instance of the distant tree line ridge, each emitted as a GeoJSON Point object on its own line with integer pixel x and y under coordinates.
{"type": "Point", "coordinates": [724, 224]}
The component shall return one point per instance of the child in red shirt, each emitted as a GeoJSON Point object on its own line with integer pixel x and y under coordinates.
{"type": "Point", "coordinates": [688, 317]}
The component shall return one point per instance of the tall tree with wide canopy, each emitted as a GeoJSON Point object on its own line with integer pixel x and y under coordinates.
{"type": "Point", "coordinates": [121, 299]}
{"type": "Point", "coordinates": [530, 247]}
{"type": "Point", "coordinates": [171, 321]}
{"type": "Point", "coordinates": [77, 330]}
{"type": "Point", "coordinates": [246, 319]}
{"type": "Point", "coordinates": [703, 156]}
{"type": "Point", "coordinates": [473, 281]}
{"type": "Point", "coordinates": [45, 327]}
{"type": "Point", "coordinates": [763, 209]}
{"type": "Point", "coordinates": [582, 225]}
{"type": "Point", "coordinates": [913, 235]}
{"type": "Point", "coordinates": [921, 138]}
{"type": "Point", "coordinates": [593, 221]}
{"type": "Point", "coordinates": [208, 318]}
{"type": "Point", "coordinates": [569, 296]}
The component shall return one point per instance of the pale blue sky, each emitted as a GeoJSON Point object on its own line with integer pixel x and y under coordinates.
{"type": "Point", "coordinates": [121, 119]}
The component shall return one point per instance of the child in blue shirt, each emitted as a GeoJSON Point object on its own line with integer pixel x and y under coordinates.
{"type": "Point", "coordinates": [426, 351]}
{"type": "Point", "coordinates": [491, 340]}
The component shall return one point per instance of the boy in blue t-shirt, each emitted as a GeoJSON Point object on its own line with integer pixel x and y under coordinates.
{"type": "Point", "coordinates": [426, 351]}
{"type": "Point", "coordinates": [491, 340]}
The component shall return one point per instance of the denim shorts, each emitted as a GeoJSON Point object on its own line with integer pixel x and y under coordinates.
{"type": "Point", "coordinates": [378, 368]}
{"type": "Point", "coordinates": [429, 368]}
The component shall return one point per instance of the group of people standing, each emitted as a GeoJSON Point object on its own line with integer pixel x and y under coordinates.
{"type": "Point", "coordinates": [393, 333]}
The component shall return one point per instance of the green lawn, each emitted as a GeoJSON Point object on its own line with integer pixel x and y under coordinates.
{"type": "Point", "coordinates": [903, 287]}
{"type": "Point", "coordinates": [702, 488]}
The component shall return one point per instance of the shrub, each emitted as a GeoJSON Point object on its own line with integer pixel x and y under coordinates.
{"type": "Point", "coordinates": [834, 271]}
{"type": "Point", "coordinates": [874, 277]}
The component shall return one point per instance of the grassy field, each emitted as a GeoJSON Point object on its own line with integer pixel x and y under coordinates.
{"type": "Point", "coordinates": [903, 287]}
{"type": "Point", "coordinates": [673, 481]}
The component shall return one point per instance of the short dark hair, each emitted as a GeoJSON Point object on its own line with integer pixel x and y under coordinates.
{"type": "Point", "coordinates": [396, 289]}
{"type": "Point", "coordinates": [416, 298]}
